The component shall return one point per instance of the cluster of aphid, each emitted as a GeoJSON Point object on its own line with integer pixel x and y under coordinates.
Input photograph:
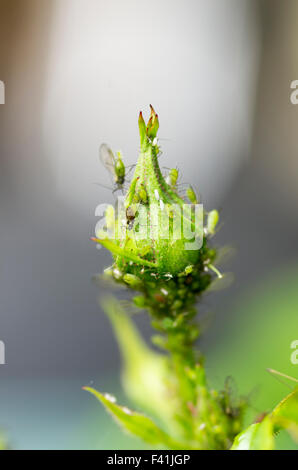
{"type": "Point", "coordinates": [168, 280]}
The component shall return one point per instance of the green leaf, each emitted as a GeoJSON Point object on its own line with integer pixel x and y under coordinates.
{"type": "Point", "coordinates": [136, 423]}
{"type": "Point", "coordinates": [117, 250]}
{"type": "Point", "coordinates": [145, 372]}
{"type": "Point", "coordinates": [285, 414]}
{"type": "Point", "coordinates": [258, 436]}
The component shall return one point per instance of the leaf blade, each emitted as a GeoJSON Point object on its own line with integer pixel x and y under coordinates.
{"type": "Point", "coordinates": [285, 414]}
{"type": "Point", "coordinates": [117, 250]}
{"type": "Point", "coordinates": [258, 436]}
{"type": "Point", "coordinates": [137, 424]}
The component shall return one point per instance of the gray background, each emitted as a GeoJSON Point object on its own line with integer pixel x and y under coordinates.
{"type": "Point", "coordinates": [77, 73]}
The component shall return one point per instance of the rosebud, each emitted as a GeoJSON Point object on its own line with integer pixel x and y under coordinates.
{"type": "Point", "coordinates": [159, 232]}
{"type": "Point", "coordinates": [162, 214]}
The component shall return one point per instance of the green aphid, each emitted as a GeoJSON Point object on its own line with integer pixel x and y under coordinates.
{"type": "Point", "coordinates": [132, 196]}
{"type": "Point", "coordinates": [108, 271]}
{"type": "Point", "coordinates": [173, 178]}
{"type": "Point", "coordinates": [190, 193]}
{"type": "Point", "coordinates": [142, 193]}
{"type": "Point", "coordinates": [188, 269]}
{"type": "Point", "coordinates": [119, 169]}
{"type": "Point", "coordinates": [113, 164]}
{"type": "Point", "coordinates": [139, 301]}
{"type": "Point", "coordinates": [133, 281]}
{"type": "Point", "coordinates": [144, 250]}
{"type": "Point", "coordinates": [212, 221]}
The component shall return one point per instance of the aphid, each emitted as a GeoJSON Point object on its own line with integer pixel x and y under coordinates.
{"type": "Point", "coordinates": [132, 280]}
{"type": "Point", "coordinates": [212, 221]}
{"type": "Point", "coordinates": [140, 195]}
{"type": "Point", "coordinates": [189, 269]}
{"type": "Point", "coordinates": [168, 276]}
{"type": "Point", "coordinates": [228, 395]}
{"type": "Point", "coordinates": [117, 274]}
{"type": "Point", "coordinates": [113, 164]}
{"type": "Point", "coordinates": [172, 178]}
{"type": "Point", "coordinates": [154, 275]}
{"type": "Point", "coordinates": [159, 298]}
{"type": "Point", "coordinates": [260, 417]}
{"type": "Point", "coordinates": [145, 250]}
{"type": "Point", "coordinates": [130, 217]}
{"type": "Point", "coordinates": [190, 193]}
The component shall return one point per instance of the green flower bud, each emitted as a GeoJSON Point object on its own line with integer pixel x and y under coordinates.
{"type": "Point", "coordinates": [153, 124]}
{"type": "Point", "coordinates": [158, 243]}
{"type": "Point", "coordinates": [164, 227]}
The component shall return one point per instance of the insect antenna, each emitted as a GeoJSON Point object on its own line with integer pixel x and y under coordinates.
{"type": "Point", "coordinates": [280, 375]}
{"type": "Point", "coordinates": [104, 186]}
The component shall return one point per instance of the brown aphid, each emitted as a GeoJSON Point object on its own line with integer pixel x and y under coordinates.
{"type": "Point", "coordinates": [260, 417]}
{"type": "Point", "coordinates": [192, 408]}
{"type": "Point", "coordinates": [159, 298]}
{"type": "Point", "coordinates": [130, 217]}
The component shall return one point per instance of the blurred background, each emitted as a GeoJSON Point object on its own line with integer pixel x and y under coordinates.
{"type": "Point", "coordinates": [76, 74]}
